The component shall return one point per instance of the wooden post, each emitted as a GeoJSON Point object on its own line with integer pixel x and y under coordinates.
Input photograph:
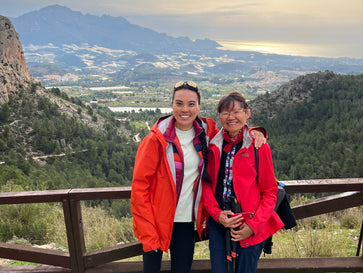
{"type": "Point", "coordinates": [70, 235]}
{"type": "Point", "coordinates": [360, 245]}
{"type": "Point", "coordinates": [75, 235]}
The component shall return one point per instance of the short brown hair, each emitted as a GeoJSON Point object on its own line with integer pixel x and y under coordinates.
{"type": "Point", "coordinates": [227, 102]}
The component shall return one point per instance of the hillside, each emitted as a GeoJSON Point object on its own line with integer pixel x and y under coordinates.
{"type": "Point", "coordinates": [315, 126]}
{"type": "Point", "coordinates": [51, 141]}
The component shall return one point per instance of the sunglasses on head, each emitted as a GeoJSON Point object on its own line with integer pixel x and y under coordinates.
{"type": "Point", "coordinates": [186, 85]}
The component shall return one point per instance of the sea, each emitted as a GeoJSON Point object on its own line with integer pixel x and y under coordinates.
{"type": "Point", "coordinates": [295, 49]}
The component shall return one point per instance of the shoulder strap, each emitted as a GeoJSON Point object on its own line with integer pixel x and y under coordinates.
{"type": "Point", "coordinates": [256, 162]}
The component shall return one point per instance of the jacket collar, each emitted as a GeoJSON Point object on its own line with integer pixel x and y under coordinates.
{"type": "Point", "coordinates": [166, 125]}
{"type": "Point", "coordinates": [218, 139]}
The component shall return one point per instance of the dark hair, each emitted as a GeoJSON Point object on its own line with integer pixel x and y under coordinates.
{"type": "Point", "coordinates": [227, 102]}
{"type": "Point", "coordinates": [203, 139]}
{"type": "Point", "coordinates": [189, 85]}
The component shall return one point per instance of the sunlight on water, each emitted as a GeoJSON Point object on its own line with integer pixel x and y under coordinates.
{"type": "Point", "coordinates": [315, 50]}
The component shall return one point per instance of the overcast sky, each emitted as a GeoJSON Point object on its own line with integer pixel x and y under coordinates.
{"type": "Point", "coordinates": [333, 27]}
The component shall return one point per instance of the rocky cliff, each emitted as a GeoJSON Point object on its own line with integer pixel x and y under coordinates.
{"type": "Point", "coordinates": [14, 72]}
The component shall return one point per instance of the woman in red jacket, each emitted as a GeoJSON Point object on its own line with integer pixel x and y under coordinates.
{"type": "Point", "coordinates": [231, 167]}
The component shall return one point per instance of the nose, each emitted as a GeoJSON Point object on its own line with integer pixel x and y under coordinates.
{"type": "Point", "coordinates": [185, 108]}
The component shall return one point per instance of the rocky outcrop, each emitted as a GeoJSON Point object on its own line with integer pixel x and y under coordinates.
{"type": "Point", "coordinates": [14, 72]}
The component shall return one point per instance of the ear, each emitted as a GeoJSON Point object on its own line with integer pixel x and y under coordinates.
{"type": "Point", "coordinates": [248, 113]}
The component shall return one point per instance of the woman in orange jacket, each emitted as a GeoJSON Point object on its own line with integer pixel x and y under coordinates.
{"type": "Point", "coordinates": [166, 187]}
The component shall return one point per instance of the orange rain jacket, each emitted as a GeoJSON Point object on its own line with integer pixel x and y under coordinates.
{"type": "Point", "coordinates": [153, 192]}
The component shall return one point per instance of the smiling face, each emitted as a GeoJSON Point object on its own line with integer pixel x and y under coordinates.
{"type": "Point", "coordinates": [234, 117]}
{"type": "Point", "coordinates": [185, 108]}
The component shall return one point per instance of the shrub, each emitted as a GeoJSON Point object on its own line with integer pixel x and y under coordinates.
{"type": "Point", "coordinates": [28, 221]}
{"type": "Point", "coordinates": [101, 230]}
{"type": "Point", "coordinates": [349, 221]}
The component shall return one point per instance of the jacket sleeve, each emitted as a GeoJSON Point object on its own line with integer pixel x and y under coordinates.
{"type": "Point", "coordinates": [259, 128]}
{"type": "Point", "coordinates": [145, 169]}
{"type": "Point", "coordinates": [208, 189]}
{"type": "Point", "coordinates": [212, 128]}
{"type": "Point", "coordinates": [268, 190]}
{"type": "Point", "coordinates": [210, 202]}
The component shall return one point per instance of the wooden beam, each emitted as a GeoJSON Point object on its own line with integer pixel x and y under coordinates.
{"type": "Point", "coordinates": [303, 265]}
{"type": "Point", "coordinates": [328, 204]}
{"type": "Point", "coordinates": [34, 255]}
{"type": "Point", "coordinates": [324, 185]}
{"type": "Point", "coordinates": [101, 193]}
{"type": "Point", "coordinates": [114, 253]}
{"type": "Point", "coordinates": [34, 269]}
{"type": "Point", "coordinates": [265, 265]}
{"type": "Point", "coordinates": [33, 197]}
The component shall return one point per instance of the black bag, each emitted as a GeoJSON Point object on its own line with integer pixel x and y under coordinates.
{"type": "Point", "coordinates": [282, 209]}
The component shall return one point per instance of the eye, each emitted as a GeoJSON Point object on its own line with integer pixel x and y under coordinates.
{"type": "Point", "coordinates": [192, 104]}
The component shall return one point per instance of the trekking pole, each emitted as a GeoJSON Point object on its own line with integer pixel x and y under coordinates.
{"type": "Point", "coordinates": [228, 250]}
{"type": "Point", "coordinates": [236, 208]}
{"type": "Point", "coordinates": [234, 255]}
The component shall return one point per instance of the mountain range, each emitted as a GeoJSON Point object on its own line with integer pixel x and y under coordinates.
{"type": "Point", "coordinates": [89, 44]}
{"type": "Point", "coordinates": [60, 25]}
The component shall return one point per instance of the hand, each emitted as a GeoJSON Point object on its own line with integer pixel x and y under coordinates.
{"type": "Point", "coordinates": [241, 233]}
{"type": "Point", "coordinates": [258, 137]}
{"type": "Point", "coordinates": [229, 222]}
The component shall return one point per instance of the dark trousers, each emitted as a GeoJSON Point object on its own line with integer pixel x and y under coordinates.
{"type": "Point", "coordinates": [247, 257]}
{"type": "Point", "coordinates": [181, 251]}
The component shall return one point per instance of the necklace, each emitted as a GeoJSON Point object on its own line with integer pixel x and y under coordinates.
{"type": "Point", "coordinates": [227, 181]}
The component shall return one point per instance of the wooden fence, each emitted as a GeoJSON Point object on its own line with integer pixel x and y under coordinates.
{"type": "Point", "coordinates": [348, 193]}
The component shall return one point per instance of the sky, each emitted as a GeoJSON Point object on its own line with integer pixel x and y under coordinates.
{"type": "Point", "coordinates": [326, 28]}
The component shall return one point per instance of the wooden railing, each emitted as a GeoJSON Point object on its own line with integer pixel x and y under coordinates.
{"type": "Point", "coordinates": [348, 193]}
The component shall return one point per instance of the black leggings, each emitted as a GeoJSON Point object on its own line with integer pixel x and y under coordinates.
{"type": "Point", "coordinates": [181, 251]}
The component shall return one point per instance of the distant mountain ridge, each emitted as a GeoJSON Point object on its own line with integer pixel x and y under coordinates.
{"type": "Point", "coordinates": [60, 25]}
{"type": "Point", "coordinates": [56, 37]}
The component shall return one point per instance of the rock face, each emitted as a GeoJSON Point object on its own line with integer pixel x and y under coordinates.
{"type": "Point", "coordinates": [14, 72]}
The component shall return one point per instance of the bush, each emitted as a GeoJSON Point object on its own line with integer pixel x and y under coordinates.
{"type": "Point", "coordinates": [101, 230]}
{"type": "Point", "coordinates": [28, 221]}
{"type": "Point", "coordinates": [349, 222]}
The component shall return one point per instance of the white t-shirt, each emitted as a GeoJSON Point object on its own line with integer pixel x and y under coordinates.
{"type": "Point", "coordinates": [191, 162]}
